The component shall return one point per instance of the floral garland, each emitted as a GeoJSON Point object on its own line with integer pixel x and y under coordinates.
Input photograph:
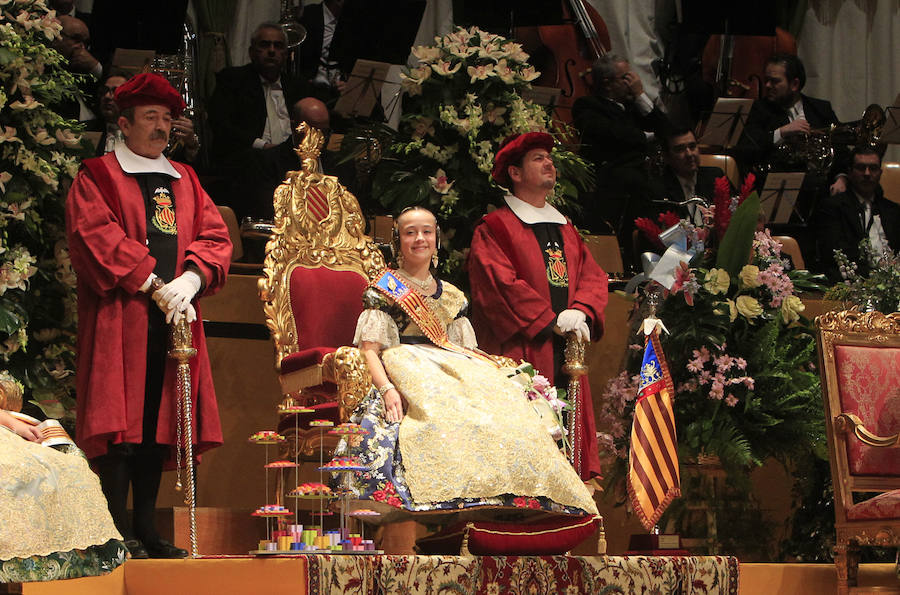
{"type": "Point", "coordinates": [39, 156]}
{"type": "Point", "coordinates": [462, 100]}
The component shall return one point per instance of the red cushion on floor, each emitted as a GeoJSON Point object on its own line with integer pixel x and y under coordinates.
{"type": "Point", "coordinates": [304, 358]}
{"type": "Point", "coordinates": [883, 506]}
{"type": "Point", "coordinates": [546, 538]}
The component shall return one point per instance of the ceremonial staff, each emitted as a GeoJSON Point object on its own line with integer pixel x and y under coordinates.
{"type": "Point", "coordinates": [575, 368]}
{"type": "Point", "coordinates": [182, 351]}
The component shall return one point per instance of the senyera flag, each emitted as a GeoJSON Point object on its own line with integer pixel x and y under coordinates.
{"type": "Point", "coordinates": [653, 476]}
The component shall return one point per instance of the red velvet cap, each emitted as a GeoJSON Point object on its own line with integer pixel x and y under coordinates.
{"type": "Point", "coordinates": [149, 89]}
{"type": "Point", "coordinates": [513, 148]}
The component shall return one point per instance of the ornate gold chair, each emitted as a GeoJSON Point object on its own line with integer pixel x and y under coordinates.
{"type": "Point", "coordinates": [859, 358]}
{"type": "Point", "coordinates": [318, 262]}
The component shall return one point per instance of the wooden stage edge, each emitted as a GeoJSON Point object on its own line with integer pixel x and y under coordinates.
{"type": "Point", "coordinates": [271, 575]}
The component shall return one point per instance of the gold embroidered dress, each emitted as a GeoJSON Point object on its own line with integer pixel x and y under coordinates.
{"type": "Point", "coordinates": [469, 438]}
{"type": "Point", "coordinates": [52, 514]}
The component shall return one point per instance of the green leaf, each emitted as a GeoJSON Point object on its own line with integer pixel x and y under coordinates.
{"type": "Point", "coordinates": [734, 251]}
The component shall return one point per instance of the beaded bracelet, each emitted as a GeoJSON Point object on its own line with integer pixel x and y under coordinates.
{"type": "Point", "coordinates": [385, 388]}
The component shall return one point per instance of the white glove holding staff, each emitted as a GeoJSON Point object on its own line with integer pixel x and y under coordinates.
{"type": "Point", "coordinates": [575, 321]}
{"type": "Point", "coordinates": [174, 298]}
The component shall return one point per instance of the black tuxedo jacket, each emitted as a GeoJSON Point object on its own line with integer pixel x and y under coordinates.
{"type": "Point", "coordinates": [755, 144]}
{"type": "Point", "coordinates": [237, 110]}
{"type": "Point", "coordinates": [839, 226]}
{"type": "Point", "coordinates": [612, 137]}
{"type": "Point", "coordinates": [670, 187]}
{"type": "Point", "coordinates": [313, 21]}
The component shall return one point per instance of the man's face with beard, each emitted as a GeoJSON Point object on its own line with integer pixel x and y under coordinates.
{"type": "Point", "coordinates": [778, 89]}
{"type": "Point", "coordinates": [148, 134]}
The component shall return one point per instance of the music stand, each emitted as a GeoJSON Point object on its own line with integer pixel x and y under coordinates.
{"type": "Point", "coordinates": [779, 196]}
{"type": "Point", "coordinates": [133, 61]}
{"type": "Point", "coordinates": [546, 96]}
{"type": "Point", "coordinates": [726, 122]}
{"type": "Point", "coordinates": [890, 132]}
{"type": "Point", "coordinates": [363, 89]}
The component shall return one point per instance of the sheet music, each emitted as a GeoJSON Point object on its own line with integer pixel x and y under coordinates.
{"type": "Point", "coordinates": [726, 122]}
{"type": "Point", "coordinates": [363, 88]}
{"type": "Point", "coordinates": [779, 195]}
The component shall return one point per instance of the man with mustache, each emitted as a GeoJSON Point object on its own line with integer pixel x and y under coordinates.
{"type": "Point", "coordinates": [146, 241]}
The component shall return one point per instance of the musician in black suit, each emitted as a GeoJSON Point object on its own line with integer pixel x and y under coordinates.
{"type": "Point", "coordinates": [785, 112]}
{"type": "Point", "coordinates": [845, 219]}
{"type": "Point", "coordinates": [249, 113]}
{"type": "Point", "coordinates": [320, 21]}
{"type": "Point", "coordinates": [683, 177]}
{"type": "Point", "coordinates": [616, 124]}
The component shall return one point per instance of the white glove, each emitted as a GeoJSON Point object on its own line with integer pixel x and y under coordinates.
{"type": "Point", "coordinates": [178, 293]}
{"type": "Point", "coordinates": [174, 316]}
{"type": "Point", "coordinates": [575, 321]}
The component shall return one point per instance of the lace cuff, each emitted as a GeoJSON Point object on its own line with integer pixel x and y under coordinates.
{"type": "Point", "coordinates": [378, 327]}
{"type": "Point", "coordinates": [460, 331]}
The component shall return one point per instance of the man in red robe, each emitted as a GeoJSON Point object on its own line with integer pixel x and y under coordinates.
{"type": "Point", "coordinates": [145, 241]}
{"type": "Point", "coordinates": [533, 279]}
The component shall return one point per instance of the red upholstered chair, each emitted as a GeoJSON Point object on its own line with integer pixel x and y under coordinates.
{"type": "Point", "coordinates": [318, 262]}
{"type": "Point", "coordinates": [859, 358]}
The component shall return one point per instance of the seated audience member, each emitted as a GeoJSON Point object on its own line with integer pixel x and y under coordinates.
{"type": "Point", "coordinates": [861, 212]}
{"type": "Point", "coordinates": [53, 506]}
{"type": "Point", "coordinates": [108, 112]}
{"type": "Point", "coordinates": [250, 115]}
{"type": "Point", "coordinates": [534, 280]}
{"type": "Point", "coordinates": [616, 124]}
{"type": "Point", "coordinates": [441, 409]}
{"type": "Point", "coordinates": [72, 45]}
{"type": "Point", "coordinates": [683, 177]}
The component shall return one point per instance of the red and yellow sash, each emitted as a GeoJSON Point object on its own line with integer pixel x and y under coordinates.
{"type": "Point", "coordinates": [415, 307]}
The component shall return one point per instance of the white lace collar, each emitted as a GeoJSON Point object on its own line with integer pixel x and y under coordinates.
{"type": "Point", "coordinates": [531, 214]}
{"type": "Point", "coordinates": [132, 163]}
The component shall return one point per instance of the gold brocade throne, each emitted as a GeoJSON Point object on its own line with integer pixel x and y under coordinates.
{"type": "Point", "coordinates": [318, 262]}
{"type": "Point", "coordinates": [859, 359]}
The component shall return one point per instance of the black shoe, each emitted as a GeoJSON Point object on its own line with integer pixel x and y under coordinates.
{"type": "Point", "coordinates": [136, 549]}
{"type": "Point", "coordinates": [163, 549]}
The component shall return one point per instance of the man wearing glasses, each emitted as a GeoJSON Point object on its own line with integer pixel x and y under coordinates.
{"type": "Point", "coordinates": [861, 212]}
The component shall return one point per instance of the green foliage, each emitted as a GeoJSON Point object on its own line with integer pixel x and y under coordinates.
{"type": "Point", "coordinates": [39, 155]}
{"type": "Point", "coordinates": [738, 237]}
{"type": "Point", "coordinates": [877, 289]}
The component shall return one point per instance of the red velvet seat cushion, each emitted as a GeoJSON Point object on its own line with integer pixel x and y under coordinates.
{"type": "Point", "coordinates": [326, 305]}
{"type": "Point", "coordinates": [882, 507]}
{"type": "Point", "coordinates": [304, 359]}
{"type": "Point", "coordinates": [546, 538]}
{"type": "Point", "coordinates": [869, 383]}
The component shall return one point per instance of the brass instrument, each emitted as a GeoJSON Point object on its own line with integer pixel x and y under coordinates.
{"type": "Point", "coordinates": [293, 31]}
{"type": "Point", "coordinates": [814, 152]}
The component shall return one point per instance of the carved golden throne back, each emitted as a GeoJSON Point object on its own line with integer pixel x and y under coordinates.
{"type": "Point", "coordinates": [318, 262]}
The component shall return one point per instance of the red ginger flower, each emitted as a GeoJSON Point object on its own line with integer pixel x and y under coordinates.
{"type": "Point", "coordinates": [650, 230]}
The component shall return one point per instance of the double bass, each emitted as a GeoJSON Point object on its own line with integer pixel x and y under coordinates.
{"type": "Point", "coordinates": [564, 53]}
{"type": "Point", "coordinates": [735, 64]}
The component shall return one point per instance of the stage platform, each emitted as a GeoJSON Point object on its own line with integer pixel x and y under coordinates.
{"type": "Point", "coordinates": [326, 575]}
